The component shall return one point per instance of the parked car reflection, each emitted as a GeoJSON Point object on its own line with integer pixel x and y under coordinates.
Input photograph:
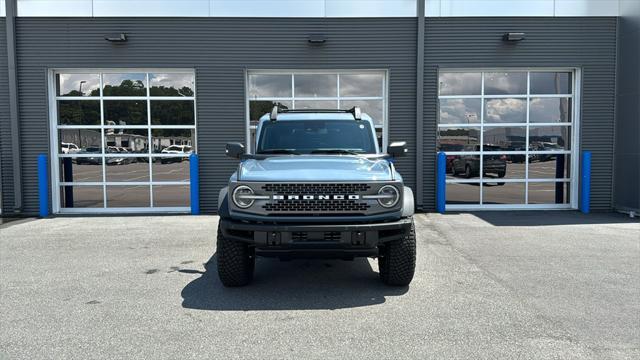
{"type": "Point", "coordinates": [469, 165]}
{"type": "Point", "coordinates": [90, 160]}
{"type": "Point", "coordinates": [184, 150]}
{"type": "Point", "coordinates": [450, 148]}
{"type": "Point", "coordinates": [69, 148]}
{"type": "Point", "coordinates": [545, 146]}
{"type": "Point", "coordinates": [118, 160]}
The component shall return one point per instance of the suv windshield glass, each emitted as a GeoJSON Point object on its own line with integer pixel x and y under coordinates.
{"type": "Point", "coordinates": [317, 137]}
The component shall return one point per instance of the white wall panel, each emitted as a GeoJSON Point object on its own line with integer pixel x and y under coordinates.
{"type": "Point", "coordinates": [370, 8]}
{"type": "Point", "coordinates": [435, 8]}
{"type": "Point", "coordinates": [3, 8]}
{"type": "Point", "coordinates": [150, 8]}
{"type": "Point", "coordinates": [54, 8]}
{"type": "Point", "coordinates": [432, 8]}
{"type": "Point", "coordinates": [495, 7]}
{"type": "Point", "coordinates": [316, 8]}
{"type": "Point", "coordinates": [587, 7]}
{"type": "Point", "coordinates": [268, 8]}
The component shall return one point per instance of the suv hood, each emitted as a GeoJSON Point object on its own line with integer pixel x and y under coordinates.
{"type": "Point", "coordinates": [315, 168]}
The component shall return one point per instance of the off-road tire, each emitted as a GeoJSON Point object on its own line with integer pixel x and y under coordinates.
{"type": "Point", "coordinates": [236, 262]}
{"type": "Point", "coordinates": [397, 261]}
{"type": "Point", "coordinates": [467, 172]}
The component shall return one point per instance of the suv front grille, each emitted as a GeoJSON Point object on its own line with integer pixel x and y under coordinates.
{"type": "Point", "coordinates": [316, 206]}
{"type": "Point", "coordinates": [315, 189]}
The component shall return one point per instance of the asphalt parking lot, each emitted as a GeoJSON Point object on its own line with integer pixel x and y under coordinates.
{"type": "Point", "coordinates": [545, 285]}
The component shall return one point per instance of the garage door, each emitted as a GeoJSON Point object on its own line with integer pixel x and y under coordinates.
{"type": "Point", "coordinates": [121, 139]}
{"type": "Point", "coordinates": [510, 138]}
{"type": "Point", "coordinates": [317, 89]}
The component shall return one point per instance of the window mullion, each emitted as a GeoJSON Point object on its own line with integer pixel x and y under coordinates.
{"type": "Point", "coordinates": [526, 142]}
{"type": "Point", "coordinates": [149, 140]}
{"type": "Point", "coordinates": [481, 137]}
{"type": "Point", "coordinates": [338, 103]}
{"type": "Point", "coordinates": [103, 144]}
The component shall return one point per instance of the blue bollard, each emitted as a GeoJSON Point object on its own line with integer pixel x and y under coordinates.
{"type": "Point", "coordinates": [585, 194]}
{"type": "Point", "coordinates": [441, 182]}
{"type": "Point", "coordinates": [194, 171]}
{"type": "Point", "coordinates": [43, 185]}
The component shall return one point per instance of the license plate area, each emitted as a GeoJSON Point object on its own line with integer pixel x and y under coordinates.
{"type": "Point", "coordinates": [316, 236]}
{"type": "Point", "coordinates": [346, 238]}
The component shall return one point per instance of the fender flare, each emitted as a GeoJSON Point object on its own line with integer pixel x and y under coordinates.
{"type": "Point", "coordinates": [408, 204]}
{"type": "Point", "coordinates": [223, 203]}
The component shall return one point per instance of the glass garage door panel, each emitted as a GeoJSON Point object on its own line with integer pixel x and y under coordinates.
{"type": "Point", "coordinates": [171, 195]}
{"type": "Point", "coordinates": [78, 112]}
{"type": "Point", "coordinates": [549, 166]}
{"type": "Point", "coordinates": [316, 90]}
{"type": "Point", "coordinates": [121, 196]}
{"type": "Point", "coordinates": [507, 136]}
{"type": "Point", "coordinates": [82, 197]}
{"type": "Point", "coordinates": [80, 169]}
{"type": "Point", "coordinates": [510, 193]}
{"type": "Point", "coordinates": [463, 193]}
{"type": "Point", "coordinates": [549, 193]}
{"type": "Point", "coordinates": [124, 139]}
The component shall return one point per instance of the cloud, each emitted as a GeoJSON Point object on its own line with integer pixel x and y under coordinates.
{"type": "Point", "coordinates": [459, 111]}
{"type": "Point", "coordinates": [460, 83]}
{"type": "Point", "coordinates": [505, 111]}
{"type": "Point", "coordinates": [549, 110]}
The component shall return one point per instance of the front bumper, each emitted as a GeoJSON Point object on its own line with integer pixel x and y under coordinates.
{"type": "Point", "coordinates": [360, 239]}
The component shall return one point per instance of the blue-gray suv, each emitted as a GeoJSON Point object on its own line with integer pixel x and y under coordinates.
{"type": "Point", "coordinates": [316, 185]}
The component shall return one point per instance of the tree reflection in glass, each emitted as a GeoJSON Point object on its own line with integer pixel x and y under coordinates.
{"type": "Point", "coordinates": [166, 84]}
{"type": "Point", "coordinates": [124, 85]}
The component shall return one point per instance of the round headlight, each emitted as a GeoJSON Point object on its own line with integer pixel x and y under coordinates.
{"type": "Point", "coordinates": [242, 196]}
{"type": "Point", "coordinates": [389, 196]}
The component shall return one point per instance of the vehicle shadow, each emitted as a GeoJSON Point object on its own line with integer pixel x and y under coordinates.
{"type": "Point", "coordinates": [291, 285]}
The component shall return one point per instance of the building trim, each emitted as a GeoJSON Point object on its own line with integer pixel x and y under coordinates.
{"type": "Point", "coordinates": [420, 103]}
{"type": "Point", "coordinates": [13, 104]}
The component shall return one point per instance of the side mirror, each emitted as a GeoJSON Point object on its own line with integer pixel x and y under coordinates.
{"type": "Point", "coordinates": [397, 149]}
{"type": "Point", "coordinates": [234, 150]}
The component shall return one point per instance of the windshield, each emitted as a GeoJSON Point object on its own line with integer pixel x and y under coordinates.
{"type": "Point", "coordinates": [316, 137]}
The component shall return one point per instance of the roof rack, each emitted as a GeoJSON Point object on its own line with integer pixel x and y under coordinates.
{"type": "Point", "coordinates": [355, 111]}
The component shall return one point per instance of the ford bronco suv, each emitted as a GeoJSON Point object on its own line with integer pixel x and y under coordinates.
{"type": "Point", "coordinates": [316, 185]}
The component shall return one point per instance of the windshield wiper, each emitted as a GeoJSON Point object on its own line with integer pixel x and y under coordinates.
{"type": "Point", "coordinates": [279, 151]}
{"type": "Point", "coordinates": [336, 151]}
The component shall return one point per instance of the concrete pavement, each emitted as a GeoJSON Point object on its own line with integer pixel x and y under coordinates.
{"type": "Point", "coordinates": [544, 285]}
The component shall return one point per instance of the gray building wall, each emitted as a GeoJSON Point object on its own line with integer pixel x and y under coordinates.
{"type": "Point", "coordinates": [627, 160]}
{"type": "Point", "coordinates": [222, 49]}
{"type": "Point", "coordinates": [6, 179]}
{"type": "Point", "coordinates": [587, 42]}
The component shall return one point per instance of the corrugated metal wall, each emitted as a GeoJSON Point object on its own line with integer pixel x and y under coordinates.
{"type": "Point", "coordinates": [220, 50]}
{"type": "Point", "coordinates": [6, 179]}
{"type": "Point", "coordinates": [589, 43]}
